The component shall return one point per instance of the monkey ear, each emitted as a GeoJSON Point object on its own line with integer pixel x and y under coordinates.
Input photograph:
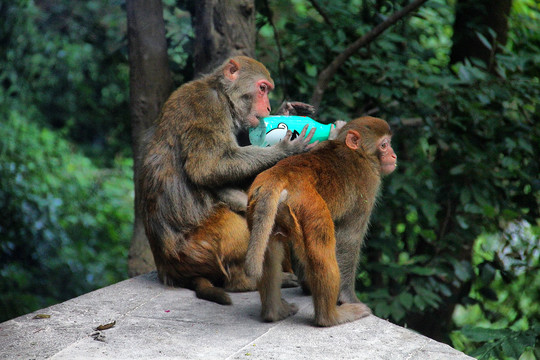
{"type": "Point", "coordinates": [352, 139]}
{"type": "Point", "coordinates": [231, 70]}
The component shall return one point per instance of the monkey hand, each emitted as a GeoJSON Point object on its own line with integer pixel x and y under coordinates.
{"type": "Point", "coordinates": [296, 108]}
{"type": "Point", "coordinates": [334, 130]}
{"type": "Point", "coordinates": [298, 145]}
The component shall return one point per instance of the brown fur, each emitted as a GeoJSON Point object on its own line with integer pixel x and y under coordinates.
{"type": "Point", "coordinates": [193, 173]}
{"type": "Point", "coordinates": [321, 202]}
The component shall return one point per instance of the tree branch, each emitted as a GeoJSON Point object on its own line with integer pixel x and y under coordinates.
{"type": "Point", "coordinates": [330, 70]}
{"type": "Point", "coordinates": [325, 17]}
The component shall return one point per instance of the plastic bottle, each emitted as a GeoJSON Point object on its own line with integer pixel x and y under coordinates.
{"type": "Point", "coordinates": [272, 129]}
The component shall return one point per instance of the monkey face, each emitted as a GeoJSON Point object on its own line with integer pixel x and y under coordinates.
{"type": "Point", "coordinates": [387, 157]}
{"type": "Point", "coordinates": [261, 103]}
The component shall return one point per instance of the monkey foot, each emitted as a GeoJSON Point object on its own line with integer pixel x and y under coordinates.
{"type": "Point", "coordinates": [351, 312]}
{"type": "Point", "coordinates": [281, 311]}
{"type": "Point", "coordinates": [348, 298]}
{"type": "Point", "coordinates": [345, 313]}
{"type": "Point", "coordinates": [289, 280]}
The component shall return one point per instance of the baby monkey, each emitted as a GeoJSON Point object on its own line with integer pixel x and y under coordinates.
{"type": "Point", "coordinates": [320, 202]}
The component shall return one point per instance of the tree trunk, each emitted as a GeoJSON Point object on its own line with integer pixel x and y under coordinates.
{"type": "Point", "coordinates": [222, 29]}
{"type": "Point", "coordinates": [474, 16]}
{"type": "Point", "coordinates": [150, 84]}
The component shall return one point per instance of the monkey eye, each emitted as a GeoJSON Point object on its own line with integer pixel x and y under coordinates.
{"type": "Point", "coordinates": [263, 87]}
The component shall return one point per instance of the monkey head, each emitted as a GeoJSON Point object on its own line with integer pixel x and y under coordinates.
{"type": "Point", "coordinates": [247, 84]}
{"type": "Point", "coordinates": [372, 135]}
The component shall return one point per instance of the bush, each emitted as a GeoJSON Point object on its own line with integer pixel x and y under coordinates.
{"type": "Point", "coordinates": [65, 225]}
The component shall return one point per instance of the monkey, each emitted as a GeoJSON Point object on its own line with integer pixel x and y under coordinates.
{"type": "Point", "coordinates": [193, 174]}
{"type": "Point", "coordinates": [320, 202]}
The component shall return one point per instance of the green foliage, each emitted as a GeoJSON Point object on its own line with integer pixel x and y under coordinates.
{"type": "Point", "coordinates": [65, 224]}
{"type": "Point", "coordinates": [503, 343]}
{"type": "Point", "coordinates": [69, 59]}
{"type": "Point", "coordinates": [180, 37]}
{"type": "Point", "coordinates": [504, 295]}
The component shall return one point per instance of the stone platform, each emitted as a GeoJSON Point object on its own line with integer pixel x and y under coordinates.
{"type": "Point", "coordinates": [153, 321]}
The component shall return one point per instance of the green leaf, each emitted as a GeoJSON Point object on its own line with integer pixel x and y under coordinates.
{"type": "Point", "coordinates": [382, 310]}
{"type": "Point", "coordinates": [456, 170]}
{"type": "Point", "coordinates": [487, 273]}
{"type": "Point", "coordinates": [311, 70]}
{"type": "Point", "coordinates": [462, 269]}
{"type": "Point", "coordinates": [397, 310]}
{"type": "Point", "coordinates": [484, 41]}
{"type": "Point", "coordinates": [419, 302]}
{"type": "Point", "coordinates": [479, 334]}
{"type": "Point", "coordinates": [425, 271]}
{"type": "Point", "coordinates": [406, 300]}
{"type": "Point", "coordinates": [512, 348]}
{"type": "Point", "coordinates": [462, 222]}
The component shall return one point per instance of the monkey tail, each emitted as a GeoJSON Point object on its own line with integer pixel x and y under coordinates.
{"type": "Point", "coordinates": [263, 215]}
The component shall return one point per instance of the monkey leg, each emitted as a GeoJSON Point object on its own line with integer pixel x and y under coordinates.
{"type": "Point", "coordinates": [229, 230]}
{"type": "Point", "coordinates": [322, 271]}
{"type": "Point", "coordinates": [234, 239]}
{"type": "Point", "coordinates": [324, 285]}
{"type": "Point", "coordinates": [349, 238]}
{"type": "Point", "coordinates": [212, 254]}
{"type": "Point", "coordinates": [274, 308]}
{"type": "Point", "coordinates": [232, 233]}
{"type": "Point", "coordinates": [215, 253]}
{"type": "Point", "coordinates": [287, 230]}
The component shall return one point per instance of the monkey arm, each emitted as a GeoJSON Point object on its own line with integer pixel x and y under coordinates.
{"type": "Point", "coordinates": [296, 108]}
{"type": "Point", "coordinates": [336, 127]}
{"type": "Point", "coordinates": [215, 159]}
{"type": "Point", "coordinates": [213, 167]}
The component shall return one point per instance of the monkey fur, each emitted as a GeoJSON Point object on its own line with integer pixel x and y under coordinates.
{"type": "Point", "coordinates": [194, 172]}
{"type": "Point", "coordinates": [320, 202]}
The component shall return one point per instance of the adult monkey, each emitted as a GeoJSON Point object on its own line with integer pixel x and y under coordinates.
{"type": "Point", "coordinates": [321, 201]}
{"type": "Point", "coordinates": [193, 173]}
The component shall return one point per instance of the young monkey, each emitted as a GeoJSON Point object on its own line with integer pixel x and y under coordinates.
{"type": "Point", "coordinates": [321, 202]}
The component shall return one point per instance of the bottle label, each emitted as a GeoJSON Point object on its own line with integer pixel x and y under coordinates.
{"type": "Point", "coordinates": [272, 129]}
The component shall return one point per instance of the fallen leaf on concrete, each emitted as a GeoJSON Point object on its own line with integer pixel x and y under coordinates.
{"type": "Point", "coordinates": [41, 316]}
{"type": "Point", "coordinates": [106, 326]}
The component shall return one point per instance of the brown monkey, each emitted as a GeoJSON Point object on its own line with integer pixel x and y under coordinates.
{"type": "Point", "coordinates": [321, 201]}
{"type": "Point", "coordinates": [193, 173]}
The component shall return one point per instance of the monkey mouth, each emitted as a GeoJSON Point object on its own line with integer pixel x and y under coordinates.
{"type": "Point", "coordinates": [388, 168]}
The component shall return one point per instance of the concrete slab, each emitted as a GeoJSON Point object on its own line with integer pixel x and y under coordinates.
{"type": "Point", "coordinates": [155, 321]}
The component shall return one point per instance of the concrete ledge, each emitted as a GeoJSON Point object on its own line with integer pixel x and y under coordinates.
{"type": "Point", "coordinates": [154, 321]}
